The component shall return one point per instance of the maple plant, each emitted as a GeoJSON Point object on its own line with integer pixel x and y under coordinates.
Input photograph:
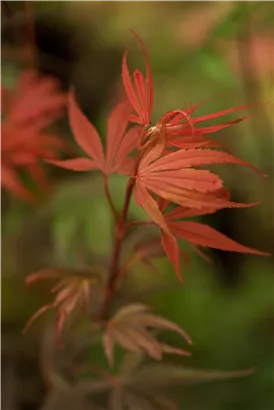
{"type": "Point", "coordinates": [167, 176]}
{"type": "Point", "coordinates": [28, 111]}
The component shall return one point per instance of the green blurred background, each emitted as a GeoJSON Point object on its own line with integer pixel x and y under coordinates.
{"type": "Point", "coordinates": [197, 50]}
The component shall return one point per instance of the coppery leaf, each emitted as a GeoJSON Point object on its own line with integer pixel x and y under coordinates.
{"type": "Point", "coordinates": [174, 350]}
{"type": "Point", "coordinates": [65, 273]}
{"type": "Point", "coordinates": [123, 338]}
{"type": "Point", "coordinates": [73, 289]}
{"type": "Point", "coordinates": [129, 329]}
{"type": "Point", "coordinates": [131, 309]}
{"type": "Point", "coordinates": [150, 320]}
{"type": "Point", "coordinates": [149, 248]}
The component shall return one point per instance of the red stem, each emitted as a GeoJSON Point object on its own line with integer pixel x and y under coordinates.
{"type": "Point", "coordinates": [120, 231]}
{"type": "Point", "coordinates": [114, 265]}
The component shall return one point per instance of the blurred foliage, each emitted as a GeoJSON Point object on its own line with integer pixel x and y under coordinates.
{"type": "Point", "coordinates": [194, 51]}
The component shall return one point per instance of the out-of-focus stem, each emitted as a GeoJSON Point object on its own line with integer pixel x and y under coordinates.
{"type": "Point", "coordinates": [250, 82]}
{"type": "Point", "coordinates": [253, 95]}
{"type": "Point", "coordinates": [30, 32]}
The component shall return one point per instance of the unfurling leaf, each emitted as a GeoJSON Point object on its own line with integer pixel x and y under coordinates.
{"type": "Point", "coordinates": [129, 328]}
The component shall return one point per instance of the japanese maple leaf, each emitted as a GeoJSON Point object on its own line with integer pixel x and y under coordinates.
{"type": "Point", "coordinates": [129, 328]}
{"type": "Point", "coordinates": [73, 289]}
{"type": "Point", "coordinates": [34, 104]}
{"type": "Point", "coordinates": [173, 178]}
{"type": "Point", "coordinates": [119, 142]}
{"type": "Point", "coordinates": [36, 101]}
{"type": "Point", "coordinates": [140, 96]}
{"type": "Point", "coordinates": [199, 234]}
{"type": "Point", "coordinates": [23, 149]}
{"type": "Point", "coordinates": [180, 129]}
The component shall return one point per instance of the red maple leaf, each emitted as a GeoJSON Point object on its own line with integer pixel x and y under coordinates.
{"type": "Point", "coordinates": [129, 328]}
{"type": "Point", "coordinates": [36, 100]}
{"type": "Point", "coordinates": [199, 234]}
{"type": "Point", "coordinates": [33, 105]}
{"type": "Point", "coordinates": [119, 142]}
{"type": "Point", "coordinates": [177, 128]}
{"type": "Point", "coordinates": [184, 131]}
{"type": "Point", "coordinates": [73, 289]}
{"type": "Point", "coordinates": [173, 178]}
{"type": "Point", "coordinates": [140, 97]}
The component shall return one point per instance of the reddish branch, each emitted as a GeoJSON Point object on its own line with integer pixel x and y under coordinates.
{"type": "Point", "coordinates": [31, 47]}
{"type": "Point", "coordinates": [121, 228]}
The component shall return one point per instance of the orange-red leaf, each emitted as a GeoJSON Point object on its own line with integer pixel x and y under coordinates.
{"type": "Point", "coordinates": [128, 143]}
{"type": "Point", "coordinates": [75, 164]}
{"type": "Point", "coordinates": [204, 235]}
{"type": "Point", "coordinates": [173, 253]}
{"type": "Point", "coordinates": [37, 100]}
{"type": "Point", "coordinates": [145, 200]}
{"type": "Point", "coordinates": [140, 97]}
{"type": "Point", "coordinates": [129, 328]}
{"type": "Point", "coordinates": [116, 127]}
{"type": "Point", "coordinates": [85, 133]}
{"type": "Point", "coordinates": [196, 157]}
{"type": "Point", "coordinates": [72, 290]}
{"type": "Point", "coordinates": [11, 182]}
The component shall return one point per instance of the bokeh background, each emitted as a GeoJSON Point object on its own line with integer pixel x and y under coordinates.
{"type": "Point", "coordinates": [197, 50]}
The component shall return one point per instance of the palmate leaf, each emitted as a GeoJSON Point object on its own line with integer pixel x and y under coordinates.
{"type": "Point", "coordinates": [73, 290]}
{"type": "Point", "coordinates": [167, 374]}
{"type": "Point", "coordinates": [143, 386]}
{"type": "Point", "coordinates": [129, 328]}
{"type": "Point", "coordinates": [120, 142]}
{"type": "Point", "coordinates": [141, 97]}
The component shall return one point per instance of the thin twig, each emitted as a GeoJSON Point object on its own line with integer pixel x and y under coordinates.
{"type": "Point", "coordinates": [120, 231]}
{"type": "Point", "coordinates": [31, 48]}
{"type": "Point", "coordinates": [111, 204]}
{"type": "Point", "coordinates": [252, 95]}
{"type": "Point", "coordinates": [114, 266]}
